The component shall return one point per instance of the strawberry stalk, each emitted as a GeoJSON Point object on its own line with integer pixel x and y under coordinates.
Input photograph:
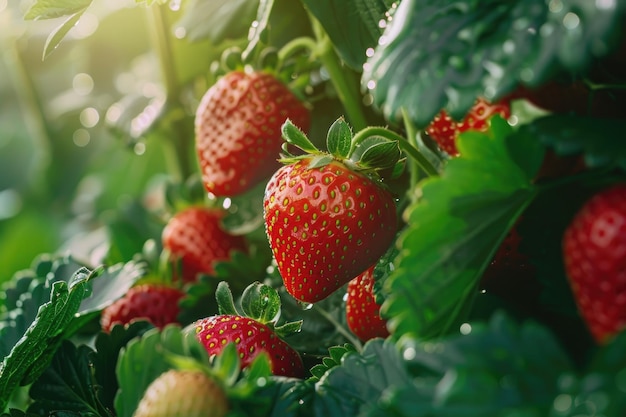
{"type": "Point", "coordinates": [178, 143]}
{"type": "Point", "coordinates": [348, 91]}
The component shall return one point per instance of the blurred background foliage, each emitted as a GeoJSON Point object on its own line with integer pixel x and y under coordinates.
{"type": "Point", "coordinates": [91, 132]}
{"type": "Point", "coordinates": [73, 154]}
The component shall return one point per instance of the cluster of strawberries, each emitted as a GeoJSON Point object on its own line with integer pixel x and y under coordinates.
{"type": "Point", "coordinates": [327, 223]}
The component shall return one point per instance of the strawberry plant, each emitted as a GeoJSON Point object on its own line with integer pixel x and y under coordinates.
{"type": "Point", "coordinates": [312, 208]}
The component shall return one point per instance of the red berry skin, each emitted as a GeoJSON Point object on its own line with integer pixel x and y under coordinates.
{"type": "Point", "coordinates": [326, 225]}
{"type": "Point", "coordinates": [444, 130]}
{"type": "Point", "coordinates": [196, 238]}
{"type": "Point", "coordinates": [594, 252]}
{"type": "Point", "coordinates": [362, 312]}
{"type": "Point", "coordinates": [251, 337]}
{"type": "Point", "coordinates": [154, 303]}
{"type": "Point", "coordinates": [238, 130]}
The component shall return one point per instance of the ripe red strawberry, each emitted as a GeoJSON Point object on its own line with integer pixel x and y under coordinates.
{"type": "Point", "coordinates": [251, 337]}
{"type": "Point", "coordinates": [237, 127]}
{"type": "Point", "coordinates": [444, 130]}
{"type": "Point", "coordinates": [183, 394]}
{"type": "Point", "coordinates": [594, 252]}
{"type": "Point", "coordinates": [362, 311]}
{"type": "Point", "coordinates": [155, 303]}
{"type": "Point", "coordinates": [195, 237]}
{"type": "Point", "coordinates": [326, 225]}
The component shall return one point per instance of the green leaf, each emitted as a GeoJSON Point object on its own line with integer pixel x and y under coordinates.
{"type": "Point", "coordinates": [455, 228]}
{"type": "Point", "coordinates": [34, 351]}
{"type": "Point", "coordinates": [259, 31]}
{"type": "Point", "coordinates": [50, 9]}
{"type": "Point", "coordinates": [261, 302]}
{"type": "Point", "coordinates": [436, 55]}
{"type": "Point", "coordinates": [67, 384]}
{"type": "Point", "coordinates": [339, 139]}
{"type": "Point", "coordinates": [294, 136]}
{"type": "Point", "coordinates": [226, 366]}
{"type": "Point", "coordinates": [111, 284]}
{"type": "Point", "coordinates": [468, 370]}
{"type": "Point", "coordinates": [57, 35]}
{"type": "Point", "coordinates": [144, 359]}
{"type": "Point", "coordinates": [225, 300]}
{"type": "Point", "coordinates": [353, 26]}
{"type": "Point", "coordinates": [108, 346]}
{"type": "Point", "coordinates": [218, 20]}
{"type": "Point", "coordinates": [596, 139]}
{"type": "Point", "coordinates": [376, 152]}
{"type": "Point", "coordinates": [361, 379]}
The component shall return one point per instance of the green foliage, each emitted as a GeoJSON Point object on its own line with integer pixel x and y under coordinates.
{"type": "Point", "coordinates": [218, 20]}
{"type": "Point", "coordinates": [357, 380]}
{"type": "Point", "coordinates": [352, 26]}
{"type": "Point", "coordinates": [455, 227]}
{"type": "Point", "coordinates": [436, 55]}
{"type": "Point", "coordinates": [431, 55]}
{"type": "Point", "coordinates": [107, 350]}
{"type": "Point", "coordinates": [30, 355]}
{"type": "Point", "coordinates": [68, 385]}
{"type": "Point", "coordinates": [143, 359]}
{"type": "Point", "coordinates": [596, 140]}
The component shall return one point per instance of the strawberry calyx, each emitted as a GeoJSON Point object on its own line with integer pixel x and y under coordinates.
{"type": "Point", "coordinates": [259, 302]}
{"type": "Point", "coordinates": [366, 152]}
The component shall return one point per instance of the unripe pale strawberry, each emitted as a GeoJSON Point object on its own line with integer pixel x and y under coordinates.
{"type": "Point", "coordinates": [183, 394]}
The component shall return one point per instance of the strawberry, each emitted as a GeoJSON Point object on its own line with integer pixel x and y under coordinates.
{"type": "Point", "coordinates": [156, 303]}
{"type": "Point", "coordinates": [177, 393]}
{"type": "Point", "coordinates": [362, 311]}
{"type": "Point", "coordinates": [444, 130]}
{"type": "Point", "coordinates": [251, 335]}
{"type": "Point", "coordinates": [237, 129]}
{"type": "Point", "coordinates": [326, 219]}
{"type": "Point", "coordinates": [594, 253]}
{"type": "Point", "coordinates": [195, 237]}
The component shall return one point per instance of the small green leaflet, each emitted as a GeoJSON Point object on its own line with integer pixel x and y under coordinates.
{"type": "Point", "coordinates": [436, 55]}
{"type": "Point", "coordinates": [32, 353]}
{"type": "Point", "coordinates": [339, 139]}
{"type": "Point", "coordinates": [455, 228]}
{"type": "Point", "coordinates": [50, 9]}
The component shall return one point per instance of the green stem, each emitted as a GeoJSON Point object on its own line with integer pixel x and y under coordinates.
{"type": "Point", "coordinates": [177, 141]}
{"type": "Point", "coordinates": [34, 112]}
{"type": "Point", "coordinates": [407, 147]}
{"type": "Point", "coordinates": [411, 134]}
{"type": "Point", "coordinates": [295, 45]}
{"type": "Point", "coordinates": [347, 90]}
{"type": "Point", "coordinates": [341, 329]}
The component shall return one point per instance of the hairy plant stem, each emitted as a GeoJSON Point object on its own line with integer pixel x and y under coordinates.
{"type": "Point", "coordinates": [179, 136]}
